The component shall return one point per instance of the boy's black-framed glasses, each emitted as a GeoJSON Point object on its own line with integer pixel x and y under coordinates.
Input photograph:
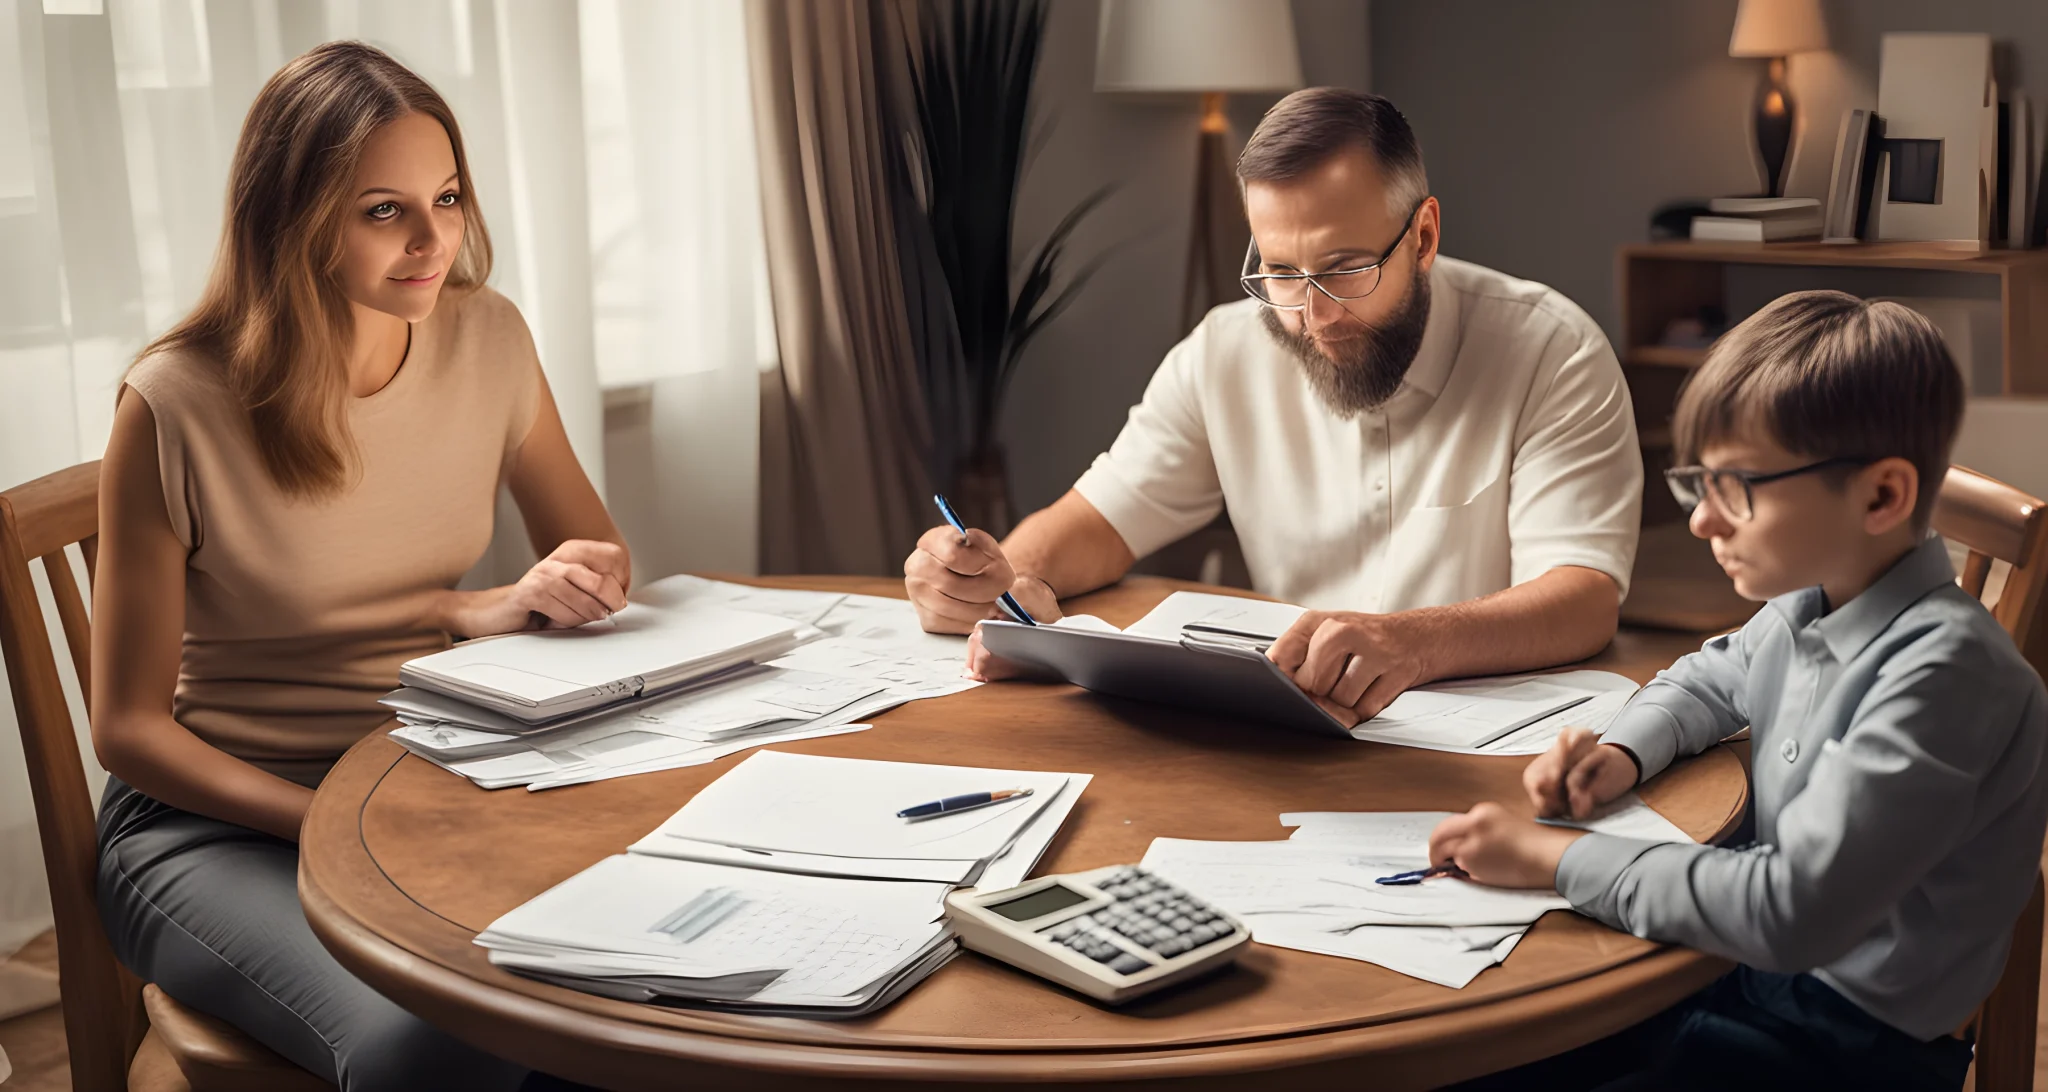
{"type": "Point", "coordinates": [1731, 490]}
{"type": "Point", "coordinates": [1289, 291]}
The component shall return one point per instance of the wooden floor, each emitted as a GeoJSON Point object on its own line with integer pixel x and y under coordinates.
{"type": "Point", "coordinates": [35, 1042]}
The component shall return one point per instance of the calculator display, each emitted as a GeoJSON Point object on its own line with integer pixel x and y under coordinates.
{"type": "Point", "coordinates": [1038, 903]}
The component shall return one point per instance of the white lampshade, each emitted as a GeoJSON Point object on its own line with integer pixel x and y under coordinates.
{"type": "Point", "coordinates": [1197, 45]}
{"type": "Point", "coordinates": [1777, 28]}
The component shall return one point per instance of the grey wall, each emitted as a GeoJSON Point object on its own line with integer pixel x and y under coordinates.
{"type": "Point", "coordinates": [1553, 129]}
{"type": "Point", "coordinates": [1082, 375]}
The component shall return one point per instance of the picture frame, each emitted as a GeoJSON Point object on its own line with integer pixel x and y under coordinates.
{"type": "Point", "coordinates": [1937, 93]}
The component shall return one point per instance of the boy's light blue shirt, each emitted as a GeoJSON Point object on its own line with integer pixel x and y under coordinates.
{"type": "Point", "coordinates": [1899, 797]}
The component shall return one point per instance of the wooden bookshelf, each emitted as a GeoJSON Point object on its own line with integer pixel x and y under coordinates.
{"type": "Point", "coordinates": [1664, 281]}
{"type": "Point", "coordinates": [1661, 282]}
{"type": "Point", "coordinates": [1677, 582]}
{"type": "Point", "coordinates": [1665, 356]}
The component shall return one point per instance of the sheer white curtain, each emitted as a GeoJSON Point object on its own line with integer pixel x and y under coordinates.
{"type": "Point", "coordinates": [612, 148]}
{"type": "Point", "coordinates": [683, 322]}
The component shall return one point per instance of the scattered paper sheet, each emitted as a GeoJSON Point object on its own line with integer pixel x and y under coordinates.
{"type": "Point", "coordinates": [1598, 697]}
{"type": "Point", "coordinates": [1468, 714]}
{"type": "Point", "coordinates": [1447, 956]}
{"type": "Point", "coordinates": [808, 607]}
{"type": "Point", "coordinates": [1308, 876]}
{"type": "Point", "coordinates": [817, 814]}
{"type": "Point", "coordinates": [1406, 833]}
{"type": "Point", "coordinates": [1400, 835]}
{"type": "Point", "coordinates": [1450, 957]}
{"type": "Point", "coordinates": [612, 756]}
{"type": "Point", "coordinates": [1595, 715]}
{"type": "Point", "coordinates": [1255, 616]}
{"type": "Point", "coordinates": [1312, 895]}
{"type": "Point", "coordinates": [1628, 817]}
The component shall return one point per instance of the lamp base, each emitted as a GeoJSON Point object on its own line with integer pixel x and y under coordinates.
{"type": "Point", "coordinates": [1218, 222]}
{"type": "Point", "coordinates": [1773, 123]}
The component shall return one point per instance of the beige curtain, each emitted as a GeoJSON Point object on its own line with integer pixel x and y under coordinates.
{"type": "Point", "coordinates": [844, 435]}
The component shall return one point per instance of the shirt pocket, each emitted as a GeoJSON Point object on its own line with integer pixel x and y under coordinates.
{"type": "Point", "coordinates": [1448, 553]}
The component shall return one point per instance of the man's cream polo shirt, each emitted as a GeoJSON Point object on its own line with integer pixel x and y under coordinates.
{"type": "Point", "coordinates": [1509, 450]}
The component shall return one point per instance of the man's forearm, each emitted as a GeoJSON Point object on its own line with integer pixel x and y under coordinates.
{"type": "Point", "coordinates": [1070, 546]}
{"type": "Point", "coordinates": [1567, 614]}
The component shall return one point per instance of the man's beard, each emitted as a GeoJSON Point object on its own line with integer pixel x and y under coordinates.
{"type": "Point", "coordinates": [1367, 368]}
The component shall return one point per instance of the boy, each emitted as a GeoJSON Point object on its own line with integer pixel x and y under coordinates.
{"type": "Point", "coordinates": [1898, 736]}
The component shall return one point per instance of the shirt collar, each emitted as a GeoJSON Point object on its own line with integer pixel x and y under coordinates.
{"type": "Point", "coordinates": [1850, 628]}
{"type": "Point", "coordinates": [1440, 337]}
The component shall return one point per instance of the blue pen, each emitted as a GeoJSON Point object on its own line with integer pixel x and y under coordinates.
{"type": "Point", "coordinates": [1008, 602]}
{"type": "Point", "coordinates": [1406, 879]}
{"type": "Point", "coordinates": [967, 802]}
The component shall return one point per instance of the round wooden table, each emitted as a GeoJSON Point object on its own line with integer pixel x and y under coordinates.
{"type": "Point", "coordinates": [401, 864]}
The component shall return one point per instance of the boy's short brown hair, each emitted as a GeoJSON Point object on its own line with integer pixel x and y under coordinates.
{"type": "Point", "coordinates": [1828, 375]}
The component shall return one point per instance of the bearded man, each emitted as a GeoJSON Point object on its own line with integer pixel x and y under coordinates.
{"type": "Point", "coordinates": [1438, 459]}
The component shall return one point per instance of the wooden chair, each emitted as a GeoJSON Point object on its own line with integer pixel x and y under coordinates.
{"type": "Point", "coordinates": [1996, 522]}
{"type": "Point", "coordinates": [122, 1034]}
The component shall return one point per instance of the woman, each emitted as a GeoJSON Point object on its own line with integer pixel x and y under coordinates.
{"type": "Point", "coordinates": [299, 473]}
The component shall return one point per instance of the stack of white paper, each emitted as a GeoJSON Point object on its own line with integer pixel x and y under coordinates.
{"type": "Point", "coordinates": [1316, 891]}
{"type": "Point", "coordinates": [743, 709]}
{"type": "Point", "coordinates": [859, 657]}
{"type": "Point", "coordinates": [546, 675]}
{"type": "Point", "coordinates": [880, 640]}
{"type": "Point", "coordinates": [789, 885]}
{"type": "Point", "coordinates": [837, 817]}
{"type": "Point", "coordinates": [646, 928]}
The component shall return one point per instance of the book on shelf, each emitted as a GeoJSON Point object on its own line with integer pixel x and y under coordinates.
{"type": "Point", "coordinates": [2019, 173]}
{"type": "Point", "coordinates": [1764, 208]}
{"type": "Point", "coordinates": [1744, 229]}
{"type": "Point", "coordinates": [1847, 218]}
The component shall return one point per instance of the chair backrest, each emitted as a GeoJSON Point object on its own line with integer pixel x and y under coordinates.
{"type": "Point", "coordinates": [1995, 522]}
{"type": "Point", "coordinates": [103, 1019]}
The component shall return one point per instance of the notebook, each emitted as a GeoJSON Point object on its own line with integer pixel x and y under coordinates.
{"type": "Point", "coordinates": [643, 649]}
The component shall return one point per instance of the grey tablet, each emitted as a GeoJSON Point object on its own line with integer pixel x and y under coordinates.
{"type": "Point", "coordinates": [1209, 678]}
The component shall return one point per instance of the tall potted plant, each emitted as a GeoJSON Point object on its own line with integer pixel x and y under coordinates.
{"type": "Point", "coordinates": [971, 79]}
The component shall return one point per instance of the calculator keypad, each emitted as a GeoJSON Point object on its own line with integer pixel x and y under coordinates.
{"type": "Point", "coordinates": [1148, 913]}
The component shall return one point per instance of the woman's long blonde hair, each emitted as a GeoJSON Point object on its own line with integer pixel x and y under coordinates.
{"type": "Point", "coordinates": [273, 314]}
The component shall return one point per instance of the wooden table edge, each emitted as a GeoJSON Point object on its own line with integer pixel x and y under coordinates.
{"type": "Point", "coordinates": [556, 1037]}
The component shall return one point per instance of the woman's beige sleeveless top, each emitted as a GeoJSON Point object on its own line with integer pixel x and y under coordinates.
{"type": "Point", "coordinates": [299, 612]}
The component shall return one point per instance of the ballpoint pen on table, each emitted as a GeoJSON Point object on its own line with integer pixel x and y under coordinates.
{"type": "Point", "coordinates": [1007, 601]}
{"type": "Point", "coordinates": [965, 802]}
{"type": "Point", "coordinates": [1405, 879]}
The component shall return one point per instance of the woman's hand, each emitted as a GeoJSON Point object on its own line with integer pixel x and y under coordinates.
{"type": "Point", "coordinates": [582, 581]}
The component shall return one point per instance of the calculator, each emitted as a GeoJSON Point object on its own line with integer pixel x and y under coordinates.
{"type": "Point", "coordinates": [1115, 933]}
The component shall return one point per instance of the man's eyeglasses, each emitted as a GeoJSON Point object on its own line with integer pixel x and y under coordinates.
{"type": "Point", "coordinates": [1289, 291]}
{"type": "Point", "coordinates": [1732, 490]}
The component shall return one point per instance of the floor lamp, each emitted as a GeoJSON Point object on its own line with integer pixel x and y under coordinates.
{"type": "Point", "coordinates": [1211, 48]}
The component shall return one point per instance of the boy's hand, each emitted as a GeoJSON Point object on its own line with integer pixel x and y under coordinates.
{"type": "Point", "coordinates": [1495, 848]}
{"type": "Point", "coordinates": [1577, 775]}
